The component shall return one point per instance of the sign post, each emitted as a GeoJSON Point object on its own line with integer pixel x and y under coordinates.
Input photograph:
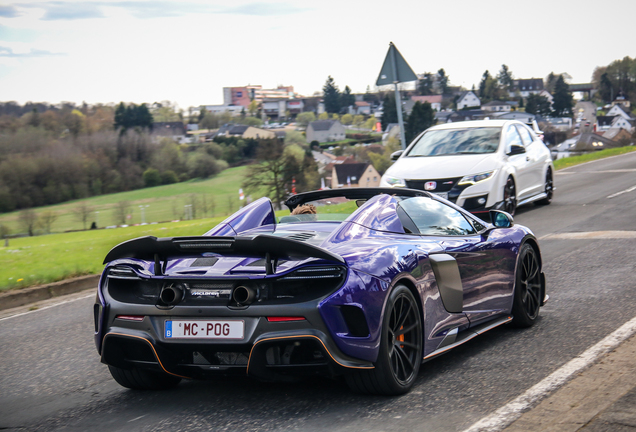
{"type": "Point", "coordinates": [396, 70]}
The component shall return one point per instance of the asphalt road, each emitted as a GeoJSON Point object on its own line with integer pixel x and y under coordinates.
{"type": "Point", "coordinates": [51, 377]}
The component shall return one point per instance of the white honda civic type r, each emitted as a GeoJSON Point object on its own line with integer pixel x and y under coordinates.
{"type": "Point", "coordinates": [478, 165]}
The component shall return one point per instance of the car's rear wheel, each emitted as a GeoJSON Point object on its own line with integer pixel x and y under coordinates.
{"type": "Point", "coordinates": [527, 295]}
{"type": "Point", "coordinates": [141, 379]}
{"type": "Point", "coordinates": [400, 353]}
{"type": "Point", "coordinates": [510, 197]}
{"type": "Point", "coordinates": [548, 188]}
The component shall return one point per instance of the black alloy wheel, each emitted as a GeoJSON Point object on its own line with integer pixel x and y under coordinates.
{"type": "Point", "coordinates": [527, 295]}
{"type": "Point", "coordinates": [548, 188]}
{"type": "Point", "coordinates": [400, 353]}
{"type": "Point", "coordinates": [509, 197]}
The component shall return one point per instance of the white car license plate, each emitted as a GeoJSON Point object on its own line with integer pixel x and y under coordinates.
{"type": "Point", "coordinates": [208, 329]}
{"type": "Point", "coordinates": [442, 194]}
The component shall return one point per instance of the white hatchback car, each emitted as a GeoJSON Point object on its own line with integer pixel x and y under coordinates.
{"type": "Point", "coordinates": [478, 165]}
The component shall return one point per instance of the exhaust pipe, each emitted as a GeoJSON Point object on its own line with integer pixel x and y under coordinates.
{"type": "Point", "coordinates": [171, 294]}
{"type": "Point", "coordinates": [244, 296]}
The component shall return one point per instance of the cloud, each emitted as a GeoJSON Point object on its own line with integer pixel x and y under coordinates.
{"type": "Point", "coordinates": [263, 9]}
{"type": "Point", "coordinates": [69, 11]}
{"type": "Point", "coordinates": [8, 11]}
{"type": "Point", "coordinates": [8, 52]}
{"type": "Point", "coordinates": [63, 10]}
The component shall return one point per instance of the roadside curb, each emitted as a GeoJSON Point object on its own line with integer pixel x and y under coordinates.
{"type": "Point", "coordinates": [21, 297]}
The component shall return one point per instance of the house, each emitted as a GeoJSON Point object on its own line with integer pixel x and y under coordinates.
{"type": "Point", "coordinates": [605, 123]}
{"type": "Point", "coordinates": [619, 110]}
{"type": "Point", "coordinates": [442, 116]}
{"type": "Point", "coordinates": [560, 123]}
{"type": "Point", "coordinates": [466, 115]}
{"type": "Point", "coordinates": [257, 133]}
{"type": "Point", "coordinates": [218, 109]}
{"type": "Point", "coordinates": [526, 87]}
{"type": "Point", "coordinates": [621, 136]}
{"type": "Point", "coordinates": [467, 99]}
{"type": "Point", "coordinates": [354, 175]}
{"type": "Point", "coordinates": [434, 100]}
{"type": "Point", "coordinates": [362, 107]}
{"type": "Point", "coordinates": [237, 130]}
{"type": "Point", "coordinates": [584, 143]}
{"type": "Point", "coordinates": [497, 106]}
{"type": "Point", "coordinates": [175, 130]}
{"type": "Point", "coordinates": [622, 101]}
{"type": "Point", "coordinates": [523, 117]}
{"type": "Point", "coordinates": [325, 131]}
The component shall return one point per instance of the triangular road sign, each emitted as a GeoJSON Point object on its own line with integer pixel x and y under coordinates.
{"type": "Point", "coordinates": [395, 68]}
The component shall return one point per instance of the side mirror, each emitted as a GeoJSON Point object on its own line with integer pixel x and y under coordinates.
{"type": "Point", "coordinates": [396, 155]}
{"type": "Point", "coordinates": [516, 149]}
{"type": "Point", "coordinates": [501, 219]}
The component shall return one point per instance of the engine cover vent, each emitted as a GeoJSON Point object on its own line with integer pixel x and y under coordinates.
{"type": "Point", "coordinates": [303, 236]}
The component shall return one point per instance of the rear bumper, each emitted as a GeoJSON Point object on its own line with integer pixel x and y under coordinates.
{"type": "Point", "coordinates": [270, 354]}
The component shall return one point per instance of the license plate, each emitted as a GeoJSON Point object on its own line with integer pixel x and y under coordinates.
{"type": "Point", "coordinates": [208, 329]}
{"type": "Point", "coordinates": [442, 194]}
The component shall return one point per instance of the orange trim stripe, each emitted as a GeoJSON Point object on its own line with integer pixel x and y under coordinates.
{"type": "Point", "coordinates": [249, 360]}
{"type": "Point", "coordinates": [153, 350]}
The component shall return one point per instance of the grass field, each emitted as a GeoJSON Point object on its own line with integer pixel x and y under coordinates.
{"type": "Point", "coordinates": [576, 160]}
{"type": "Point", "coordinates": [31, 261]}
{"type": "Point", "coordinates": [164, 203]}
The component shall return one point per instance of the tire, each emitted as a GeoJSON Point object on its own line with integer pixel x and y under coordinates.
{"type": "Point", "coordinates": [141, 379]}
{"type": "Point", "coordinates": [548, 188]}
{"type": "Point", "coordinates": [510, 197]}
{"type": "Point", "coordinates": [527, 293]}
{"type": "Point", "coordinates": [400, 352]}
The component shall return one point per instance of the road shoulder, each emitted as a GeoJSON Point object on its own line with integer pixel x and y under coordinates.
{"type": "Point", "coordinates": [580, 404]}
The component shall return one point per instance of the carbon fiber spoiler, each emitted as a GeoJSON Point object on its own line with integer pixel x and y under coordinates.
{"type": "Point", "coordinates": [271, 247]}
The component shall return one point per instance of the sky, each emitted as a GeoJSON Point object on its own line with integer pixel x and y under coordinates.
{"type": "Point", "coordinates": [187, 51]}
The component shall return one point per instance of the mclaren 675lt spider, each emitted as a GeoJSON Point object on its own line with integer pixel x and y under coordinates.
{"type": "Point", "coordinates": [368, 285]}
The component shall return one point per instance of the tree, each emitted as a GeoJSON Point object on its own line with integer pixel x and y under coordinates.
{"type": "Point", "coordinates": [46, 219]}
{"type": "Point", "coordinates": [389, 112]}
{"type": "Point", "coordinates": [347, 99]}
{"type": "Point", "coordinates": [550, 81]}
{"type": "Point", "coordinates": [27, 220]}
{"type": "Point", "coordinates": [537, 104]}
{"type": "Point", "coordinates": [421, 118]}
{"type": "Point", "coordinates": [505, 77]}
{"type": "Point", "coordinates": [323, 116]}
{"type": "Point", "coordinates": [562, 102]}
{"type": "Point", "coordinates": [346, 119]}
{"type": "Point", "coordinates": [268, 172]}
{"type": "Point", "coordinates": [304, 118]}
{"type": "Point", "coordinates": [83, 212]}
{"type": "Point", "coordinates": [442, 81]}
{"type": "Point", "coordinates": [4, 234]}
{"type": "Point", "coordinates": [331, 96]}
{"type": "Point", "coordinates": [425, 84]}
{"type": "Point", "coordinates": [122, 210]}
{"type": "Point", "coordinates": [606, 89]}
{"type": "Point", "coordinates": [252, 108]}
{"type": "Point", "coordinates": [485, 77]}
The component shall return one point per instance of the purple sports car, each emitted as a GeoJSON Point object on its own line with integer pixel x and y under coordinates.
{"type": "Point", "coordinates": [368, 287]}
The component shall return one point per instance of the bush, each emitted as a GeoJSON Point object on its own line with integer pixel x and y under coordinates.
{"type": "Point", "coordinates": [152, 177]}
{"type": "Point", "coordinates": [169, 177]}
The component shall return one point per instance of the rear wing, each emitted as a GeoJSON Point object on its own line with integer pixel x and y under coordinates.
{"type": "Point", "coordinates": [271, 247]}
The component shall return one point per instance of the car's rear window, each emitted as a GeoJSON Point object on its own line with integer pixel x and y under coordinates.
{"type": "Point", "coordinates": [457, 141]}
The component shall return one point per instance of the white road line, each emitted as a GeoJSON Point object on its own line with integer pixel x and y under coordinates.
{"type": "Point", "coordinates": [590, 235]}
{"type": "Point", "coordinates": [622, 192]}
{"type": "Point", "coordinates": [47, 307]}
{"type": "Point", "coordinates": [510, 412]}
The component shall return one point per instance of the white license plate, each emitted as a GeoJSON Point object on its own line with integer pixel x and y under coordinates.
{"type": "Point", "coordinates": [208, 329]}
{"type": "Point", "coordinates": [441, 194]}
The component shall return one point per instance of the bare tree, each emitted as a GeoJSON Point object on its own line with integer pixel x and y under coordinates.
{"type": "Point", "coordinates": [46, 220]}
{"type": "Point", "coordinates": [230, 204]}
{"type": "Point", "coordinates": [28, 219]}
{"type": "Point", "coordinates": [176, 214]}
{"type": "Point", "coordinates": [122, 209]}
{"type": "Point", "coordinates": [193, 201]}
{"type": "Point", "coordinates": [83, 212]}
{"type": "Point", "coordinates": [4, 234]}
{"type": "Point", "coordinates": [204, 205]}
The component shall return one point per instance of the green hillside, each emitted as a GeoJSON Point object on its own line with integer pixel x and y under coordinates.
{"type": "Point", "coordinates": [164, 203]}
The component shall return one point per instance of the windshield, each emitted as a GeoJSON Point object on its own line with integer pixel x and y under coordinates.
{"type": "Point", "coordinates": [457, 141]}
